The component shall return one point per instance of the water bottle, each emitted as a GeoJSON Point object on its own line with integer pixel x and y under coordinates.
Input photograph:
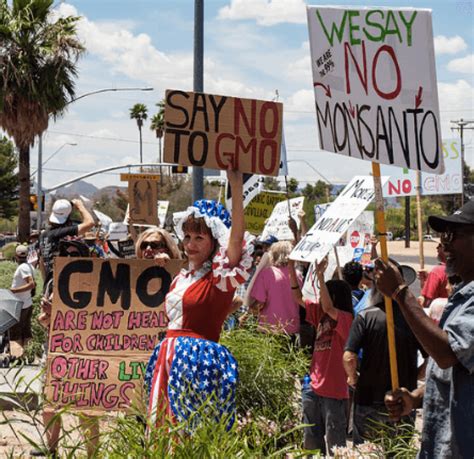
{"type": "Point", "coordinates": [306, 385]}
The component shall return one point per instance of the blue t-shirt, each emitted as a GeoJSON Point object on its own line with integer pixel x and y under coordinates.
{"type": "Point", "coordinates": [448, 404]}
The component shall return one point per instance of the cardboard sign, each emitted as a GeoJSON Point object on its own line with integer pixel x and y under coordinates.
{"type": "Point", "coordinates": [107, 317]}
{"type": "Point", "coordinates": [260, 209]}
{"type": "Point", "coordinates": [277, 224]}
{"type": "Point", "coordinates": [216, 132]}
{"type": "Point", "coordinates": [127, 177]}
{"type": "Point", "coordinates": [319, 210]}
{"type": "Point", "coordinates": [127, 249]}
{"type": "Point", "coordinates": [402, 182]}
{"type": "Point", "coordinates": [375, 85]}
{"type": "Point", "coordinates": [143, 196]}
{"type": "Point", "coordinates": [340, 216]}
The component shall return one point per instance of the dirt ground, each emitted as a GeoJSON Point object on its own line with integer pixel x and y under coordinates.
{"type": "Point", "coordinates": [17, 446]}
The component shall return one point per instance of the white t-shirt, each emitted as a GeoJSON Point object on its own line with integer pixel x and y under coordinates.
{"type": "Point", "coordinates": [19, 280]}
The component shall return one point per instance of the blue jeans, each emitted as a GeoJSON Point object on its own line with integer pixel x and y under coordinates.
{"type": "Point", "coordinates": [327, 417]}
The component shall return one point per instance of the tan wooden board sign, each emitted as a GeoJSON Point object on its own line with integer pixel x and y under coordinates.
{"type": "Point", "coordinates": [216, 132]}
{"type": "Point", "coordinates": [107, 317]}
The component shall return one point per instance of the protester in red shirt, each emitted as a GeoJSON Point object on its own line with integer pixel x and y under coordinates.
{"type": "Point", "coordinates": [324, 401]}
{"type": "Point", "coordinates": [434, 284]}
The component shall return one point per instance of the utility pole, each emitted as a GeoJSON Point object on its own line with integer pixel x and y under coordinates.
{"type": "Point", "coordinates": [461, 125]}
{"type": "Point", "coordinates": [198, 84]}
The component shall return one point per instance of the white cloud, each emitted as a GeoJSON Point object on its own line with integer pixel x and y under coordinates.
{"type": "Point", "coordinates": [449, 45]}
{"type": "Point", "coordinates": [462, 65]}
{"type": "Point", "coordinates": [300, 70]}
{"type": "Point", "coordinates": [266, 12]}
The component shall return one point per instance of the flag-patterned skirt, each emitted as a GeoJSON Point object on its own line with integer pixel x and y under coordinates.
{"type": "Point", "coordinates": [186, 374]}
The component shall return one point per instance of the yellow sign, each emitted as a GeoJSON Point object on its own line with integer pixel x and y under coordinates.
{"type": "Point", "coordinates": [127, 177]}
{"type": "Point", "coordinates": [260, 209]}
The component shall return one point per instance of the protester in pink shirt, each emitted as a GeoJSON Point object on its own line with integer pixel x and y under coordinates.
{"type": "Point", "coordinates": [325, 400]}
{"type": "Point", "coordinates": [271, 293]}
{"type": "Point", "coordinates": [434, 284]}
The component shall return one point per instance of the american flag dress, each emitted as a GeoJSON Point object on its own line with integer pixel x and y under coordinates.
{"type": "Point", "coordinates": [189, 368]}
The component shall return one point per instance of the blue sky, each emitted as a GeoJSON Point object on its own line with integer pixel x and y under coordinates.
{"type": "Point", "coordinates": [252, 48]}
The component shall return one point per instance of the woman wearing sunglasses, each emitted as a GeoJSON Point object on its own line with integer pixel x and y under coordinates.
{"type": "Point", "coordinates": [157, 244]}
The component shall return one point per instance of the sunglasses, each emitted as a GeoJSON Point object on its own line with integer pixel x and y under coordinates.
{"type": "Point", "coordinates": [153, 245]}
{"type": "Point", "coordinates": [449, 235]}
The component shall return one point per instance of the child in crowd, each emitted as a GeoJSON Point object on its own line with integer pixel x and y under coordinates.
{"type": "Point", "coordinates": [325, 399]}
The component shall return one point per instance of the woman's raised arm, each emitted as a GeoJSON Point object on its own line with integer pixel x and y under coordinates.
{"type": "Point", "coordinates": [234, 248]}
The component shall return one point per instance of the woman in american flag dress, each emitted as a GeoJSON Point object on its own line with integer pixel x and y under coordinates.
{"type": "Point", "coordinates": [189, 367]}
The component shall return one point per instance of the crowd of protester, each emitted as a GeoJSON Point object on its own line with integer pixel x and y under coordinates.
{"type": "Point", "coordinates": [232, 277]}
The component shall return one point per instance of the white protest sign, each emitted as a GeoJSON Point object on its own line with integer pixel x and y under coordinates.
{"type": "Point", "coordinates": [374, 81]}
{"type": "Point", "coordinates": [342, 213]}
{"type": "Point", "coordinates": [162, 211]}
{"type": "Point", "coordinates": [402, 181]}
{"type": "Point", "coordinates": [105, 220]}
{"type": "Point", "coordinates": [118, 231]}
{"type": "Point", "coordinates": [252, 186]}
{"type": "Point", "coordinates": [310, 288]}
{"type": "Point", "coordinates": [319, 210]}
{"type": "Point", "coordinates": [277, 224]}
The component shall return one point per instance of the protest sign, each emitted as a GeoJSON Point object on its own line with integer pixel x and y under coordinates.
{"type": "Point", "coordinates": [216, 132]}
{"type": "Point", "coordinates": [310, 289]}
{"type": "Point", "coordinates": [260, 209]}
{"type": "Point", "coordinates": [136, 176]}
{"type": "Point", "coordinates": [402, 182]}
{"type": "Point", "coordinates": [162, 211]}
{"type": "Point", "coordinates": [375, 85]}
{"type": "Point", "coordinates": [104, 219]}
{"type": "Point", "coordinates": [277, 224]}
{"type": "Point", "coordinates": [107, 317]}
{"type": "Point", "coordinates": [253, 184]}
{"type": "Point", "coordinates": [118, 231]}
{"type": "Point", "coordinates": [126, 249]}
{"type": "Point", "coordinates": [319, 210]}
{"type": "Point", "coordinates": [340, 216]}
{"type": "Point", "coordinates": [143, 196]}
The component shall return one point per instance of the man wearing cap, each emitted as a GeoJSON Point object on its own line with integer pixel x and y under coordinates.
{"type": "Point", "coordinates": [22, 286]}
{"type": "Point", "coordinates": [369, 334]}
{"type": "Point", "coordinates": [448, 396]}
{"type": "Point", "coordinates": [61, 227]}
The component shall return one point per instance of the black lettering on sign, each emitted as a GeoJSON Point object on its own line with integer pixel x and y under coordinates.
{"type": "Point", "coordinates": [169, 100]}
{"type": "Point", "coordinates": [155, 299]}
{"type": "Point", "coordinates": [115, 286]}
{"type": "Point", "coordinates": [78, 300]}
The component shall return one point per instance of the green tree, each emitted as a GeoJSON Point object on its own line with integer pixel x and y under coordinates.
{"type": "Point", "coordinates": [158, 125]}
{"type": "Point", "coordinates": [38, 67]}
{"type": "Point", "coordinates": [8, 179]}
{"type": "Point", "coordinates": [292, 185]}
{"type": "Point", "coordinates": [139, 112]}
{"type": "Point", "coordinates": [271, 183]}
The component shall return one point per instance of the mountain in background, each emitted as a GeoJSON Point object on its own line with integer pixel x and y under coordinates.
{"type": "Point", "coordinates": [75, 189]}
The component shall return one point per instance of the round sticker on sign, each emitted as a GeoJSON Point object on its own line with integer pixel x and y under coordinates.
{"type": "Point", "coordinates": [355, 238]}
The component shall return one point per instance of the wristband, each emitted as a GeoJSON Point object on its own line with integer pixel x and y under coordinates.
{"type": "Point", "coordinates": [398, 290]}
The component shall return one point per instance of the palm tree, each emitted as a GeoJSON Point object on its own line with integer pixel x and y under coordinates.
{"type": "Point", "coordinates": [158, 125]}
{"type": "Point", "coordinates": [38, 68]}
{"type": "Point", "coordinates": [139, 112]}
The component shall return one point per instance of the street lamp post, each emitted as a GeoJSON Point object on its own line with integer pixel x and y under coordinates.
{"type": "Point", "coordinates": [40, 144]}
